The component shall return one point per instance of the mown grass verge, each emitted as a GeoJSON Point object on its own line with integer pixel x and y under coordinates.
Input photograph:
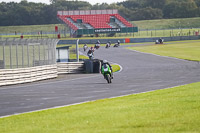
{"type": "Point", "coordinates": [188, 50]}
{"type": "Point", "coordinates": [168, 110]}
{"type": "Point", "coordinates": [169, 23]}
{"type": "Point", "coordinates": [115, 67]}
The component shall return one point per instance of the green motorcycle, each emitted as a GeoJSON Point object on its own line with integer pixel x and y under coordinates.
{"type": "Point", "coordinates": [106, 71]}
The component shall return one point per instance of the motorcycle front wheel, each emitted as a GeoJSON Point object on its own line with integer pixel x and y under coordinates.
{"type": "Point", "coordinates": [108, 78]}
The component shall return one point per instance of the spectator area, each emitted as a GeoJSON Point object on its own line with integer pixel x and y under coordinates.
{"type": "Point", "coordinates": [94, 19]}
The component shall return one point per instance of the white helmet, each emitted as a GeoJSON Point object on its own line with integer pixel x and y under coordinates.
{"type": "Point", "coordinates": [105, 61]}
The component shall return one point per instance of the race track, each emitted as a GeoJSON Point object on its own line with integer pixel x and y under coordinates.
{"type": "Point", "coordinates": [141, 73]}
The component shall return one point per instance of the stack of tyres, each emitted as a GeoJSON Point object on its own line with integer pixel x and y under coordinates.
{"type": "Point", "coordinates": [92, 66]}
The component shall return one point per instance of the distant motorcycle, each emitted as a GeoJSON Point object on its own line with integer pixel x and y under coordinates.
{"type": "Point", "coordinates": [85, 47]}
{"type": "Point", "coordinates": [116, 45]}
{"type": "Point", "coordinates": [107, 45]}
{"type": "Point", "coordinates": [159, 41]}
{"type": "Point", "coordinates": [91, 56]}
{"type": "Point", "coordinates": [97, 46]}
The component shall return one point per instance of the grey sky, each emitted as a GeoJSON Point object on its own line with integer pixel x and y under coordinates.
{"type": "Point", "coordinates": [47, 1]}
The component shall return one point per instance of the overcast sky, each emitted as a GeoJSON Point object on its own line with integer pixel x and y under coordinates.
{"type": "Point", "coordinates": [47, 1]}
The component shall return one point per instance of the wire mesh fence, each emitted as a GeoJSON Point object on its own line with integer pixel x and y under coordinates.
{"type": "Point", "coordinates": [21, 53]}
{"type": "Point", "coordinates": [64, 32]}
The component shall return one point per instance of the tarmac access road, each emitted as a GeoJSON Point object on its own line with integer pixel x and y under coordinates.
{"type": "Point", "coordinates": [141, 73]}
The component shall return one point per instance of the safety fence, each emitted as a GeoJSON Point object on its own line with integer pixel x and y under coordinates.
{"type": "Point", "coordinates": [22, 53]}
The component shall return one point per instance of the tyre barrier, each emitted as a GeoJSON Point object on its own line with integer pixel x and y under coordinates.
{"type": "Point", "coordinates": [93, 66]}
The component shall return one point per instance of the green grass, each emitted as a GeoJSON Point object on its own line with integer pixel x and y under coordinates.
{"type": "Point", "coordinates": [166, 111]}
{"type": "Point", "coordinates": [115, 67]}
{"type": "Point", "coordinates": [29, 28]}
{"type": "Point", "coordinates": [166, 33]}
{"type": "Point", "coordinates": [169, 23]}
{"type": "Point", "coordinates": [189, 50]}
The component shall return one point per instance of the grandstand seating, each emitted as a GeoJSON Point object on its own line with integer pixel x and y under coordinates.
{"type": "Point", "coordinates": [124, 21]}
{"type": "Point", "coordinates": [93, 19]}
{"type": "Point", "coordinates": [96, 21]}
{"type": "Point", "coordinates": [63, 18]}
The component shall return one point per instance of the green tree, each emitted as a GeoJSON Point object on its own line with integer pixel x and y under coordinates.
{"type": "Point", "coordinates": [147, 14]}
{"type": "Point", "coordinates": [102, 6]}
{"type": "Point", "coordinates": [187, 8]}
{"type": "Point", "coordinates": [155, 3]}
{"type": "Point", "coordinates": [131, 4]}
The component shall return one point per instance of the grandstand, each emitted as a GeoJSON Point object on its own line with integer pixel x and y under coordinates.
{"type": "Point", "coordinates": [95, 22]}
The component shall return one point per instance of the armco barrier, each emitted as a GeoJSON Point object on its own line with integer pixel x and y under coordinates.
{"type": "Point", "coordinates": [166, 39]}
{"type": "Point", "coordinates": [26, 75]}
{"type": "Point", "coordinates": [70, 67]}
{"type": "Point", "coordinates": [132, 40]}
{"type": "Point", "coordinates": [90, 41]}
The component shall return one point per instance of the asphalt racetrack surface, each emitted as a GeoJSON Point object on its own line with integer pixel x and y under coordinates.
{"type": "Point", "coordinates": [141, 73]}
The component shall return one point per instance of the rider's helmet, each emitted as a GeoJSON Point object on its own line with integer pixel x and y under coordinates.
{"type": "Point", "coordinates": [91, 48]}
{"type": "Point", "coordinates": [105, 61]}
{"type": "Point", "coordinates": [118, 41]}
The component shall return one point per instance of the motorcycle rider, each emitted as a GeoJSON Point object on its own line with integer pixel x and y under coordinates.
{"type": "Point", "coordinates": [160, 40]}
{"type": "Point", "coordinates": [108, 44]}
{"type": "Point", "coordinates": [97, 45]}
{"type": "Point", "coordinates": [117, 44]}
{"type": "Point", "coordinates": [90, 51]}
{"type": "Point", "coordinates": [85, 47]}
{"type": "Point", "coordinates": [104, 65]}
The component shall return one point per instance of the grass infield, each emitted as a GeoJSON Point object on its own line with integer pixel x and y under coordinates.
{"type": "Point", "coordinates": [115, 67]}
{"type": "Point", "coordinates": [188, 50]}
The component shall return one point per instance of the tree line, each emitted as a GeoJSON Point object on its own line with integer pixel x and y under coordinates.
{"type": "Point", "coordinates": [29, 13]}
